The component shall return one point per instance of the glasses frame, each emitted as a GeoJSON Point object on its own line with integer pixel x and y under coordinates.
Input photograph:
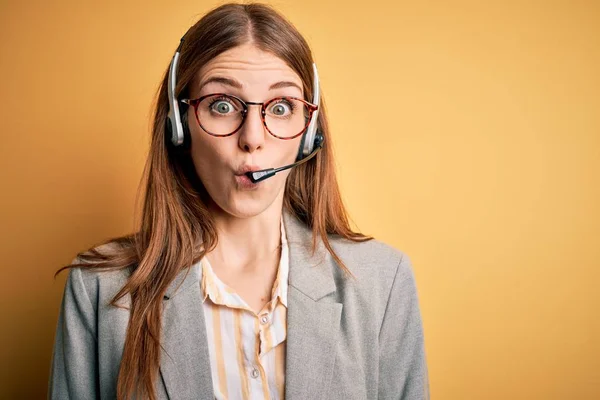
{"type": "Point", "coordinates": [196, 102]}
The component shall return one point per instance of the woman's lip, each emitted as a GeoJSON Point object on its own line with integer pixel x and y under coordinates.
{"type": "Point", "coordinates": [243, 182]}
{"type": "Point", "coordinates": [247, 168]}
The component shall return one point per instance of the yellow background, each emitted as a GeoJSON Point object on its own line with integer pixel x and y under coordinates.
{"type": "Point", "coordinates": [467, 134]}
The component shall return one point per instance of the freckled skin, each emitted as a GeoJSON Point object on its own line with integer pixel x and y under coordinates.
{"type": "Point", "coordinates": [216, 158]}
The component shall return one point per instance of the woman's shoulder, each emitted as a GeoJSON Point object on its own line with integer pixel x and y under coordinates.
{"type": "Point", "coordinates": [370, 254]}
{"type": "Point", "coordinates": [379, 269]}
{"type": "Point", "coordinates": [85, 281]}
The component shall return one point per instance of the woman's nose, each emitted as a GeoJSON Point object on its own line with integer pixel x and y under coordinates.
{"type": "Point", "coordinates": [252, 135]}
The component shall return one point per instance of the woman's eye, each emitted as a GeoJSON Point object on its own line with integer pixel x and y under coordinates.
{"type": "Point", "coordinates": [222, 107]}
{"type": "Point", "coordinates": [281, 109]}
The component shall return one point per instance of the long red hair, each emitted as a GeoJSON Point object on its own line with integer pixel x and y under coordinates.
{"type": "Point", "coordinates": [176, 228]}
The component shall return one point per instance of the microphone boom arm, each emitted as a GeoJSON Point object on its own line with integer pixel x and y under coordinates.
{"type": "Point", "coordinates": [263, 174]}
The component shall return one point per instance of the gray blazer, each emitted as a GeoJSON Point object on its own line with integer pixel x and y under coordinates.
{"type": "Point", "coordinates": [346, 339]}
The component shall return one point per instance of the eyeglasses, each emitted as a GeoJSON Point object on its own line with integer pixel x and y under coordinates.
{"type": "Point", "coordinates": [221, 114]}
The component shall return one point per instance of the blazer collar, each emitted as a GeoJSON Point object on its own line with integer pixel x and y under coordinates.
{"type": "Point", "coordinates": [310, 273]}
{"type": "Point", "coordinates": [183, 281]}
{"type": "Point", "coordinates": [313, 324]}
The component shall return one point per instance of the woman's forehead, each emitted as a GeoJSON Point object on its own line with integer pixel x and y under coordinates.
{"type": "Point", "coordinates": [249, 67]}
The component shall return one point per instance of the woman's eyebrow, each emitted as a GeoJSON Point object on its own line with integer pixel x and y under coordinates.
{"type": "Point", "coordinates": [222, 80]}
{"type": "Point", "coordinates": [284, 84]}
{"type": "Point", "coordinates": [234, 83]}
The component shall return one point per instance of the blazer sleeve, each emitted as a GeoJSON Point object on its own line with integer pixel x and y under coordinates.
{"type": "Point", "coordinates": [73, 372]}
{"type": "Point", "coordinates": [403, 373]}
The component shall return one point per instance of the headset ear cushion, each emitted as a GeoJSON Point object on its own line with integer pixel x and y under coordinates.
{"type": "Point", "coordinates": [187, 137]}
{"type": "Point", "coordinates": [300, 156]}
{"type": "Point", "coordinates": [168, 132]}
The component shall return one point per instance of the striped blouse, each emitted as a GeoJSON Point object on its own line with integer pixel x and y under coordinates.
{"type": "Point", "coordinates": [247, 350]}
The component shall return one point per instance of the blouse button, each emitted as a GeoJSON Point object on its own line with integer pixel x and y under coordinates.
{"type": "Point", "coordinates": [254, 373]}
{"type": "Point", "coordinates": [264, 319]}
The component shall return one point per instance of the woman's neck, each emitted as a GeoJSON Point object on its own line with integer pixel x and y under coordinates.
{"type": "Point", "coordinates": [245, 244]}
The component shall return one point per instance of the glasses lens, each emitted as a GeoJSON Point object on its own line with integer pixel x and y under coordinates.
{"type": "Point", "coordinates": [220, 114]}
{"type": "Point", "coordinates": [286, 117]}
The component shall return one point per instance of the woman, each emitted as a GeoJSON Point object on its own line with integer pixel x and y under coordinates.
{"type": "Point", "coordinates": [233, 288]}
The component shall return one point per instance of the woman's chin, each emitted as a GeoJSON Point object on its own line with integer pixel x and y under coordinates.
{"type": "Point", "coordinates": [242, 206]}
{"type": "Point", "coordinates": [242, 203]}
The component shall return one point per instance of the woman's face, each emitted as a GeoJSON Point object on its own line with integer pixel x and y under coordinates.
{"type": "Point", "coordinates": [256, 76]}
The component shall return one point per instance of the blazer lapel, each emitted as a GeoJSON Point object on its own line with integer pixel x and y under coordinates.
{"type": "Point", "coordinates": [313, 325]}
{"type": "Point", "coordinates": [185, 361]}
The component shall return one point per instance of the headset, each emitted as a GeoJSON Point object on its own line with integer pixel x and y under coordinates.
{"type": "Point", "coordinates": [178, 134]}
